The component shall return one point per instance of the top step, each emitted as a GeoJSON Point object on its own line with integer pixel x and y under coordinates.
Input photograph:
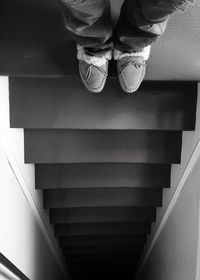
{"type": "Point", "coordinates": [34, 42]}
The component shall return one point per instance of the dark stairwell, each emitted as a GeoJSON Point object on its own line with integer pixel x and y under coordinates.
{"type": "Point", "coordinates": [101, 161]}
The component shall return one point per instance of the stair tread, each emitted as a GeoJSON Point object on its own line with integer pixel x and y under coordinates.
{"type": "Point", "coordinates": [101, 175]}
{"type": "Point", "coordinates": [111, 265]}
{"type": "Point", "coordinates": [103, 214]}
{"type": "Point", "coordinates": [21, 54]}
{"type": "Point", "coordinates": [163, 106]}
{"type": "Point", "coordinates": [102, 146]}
{"type": "Point", "coordinates": [98, 258]}
{"type": "Point", "coordinates": [101, 240]}
{"type": "Point", "coordinates": [81, 229]}
{"type": "Point", "coordinates": [106, 275]}
{"type": "Point", "coordinates": [21, 57]}
{"type": "Point", "coordinates": [87, 250]}
{"type": "Point", "coordinates": [102, 197]}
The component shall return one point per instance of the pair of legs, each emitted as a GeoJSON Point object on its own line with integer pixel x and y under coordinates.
{"type": "Point", "coordinates": [141, 22]}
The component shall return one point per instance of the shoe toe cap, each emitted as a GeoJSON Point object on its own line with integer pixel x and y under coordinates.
{"type": "Point", "coordinates": [96, 79]}
{"type": "Point", "coordinates": [93, 78]}
{"type": "Point", "coordinates": [131, 76]}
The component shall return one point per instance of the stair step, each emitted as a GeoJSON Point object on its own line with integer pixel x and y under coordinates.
{"type": "Point", "coordinates": [91, 229]}
{"type": "Point", "coordinates": [110, 266]}
{"type": "Point", "coordinates": [116, 273]}
{"type": "Point", "coordinates": [102, 146]}
{"type": "Point", "coordinates": [22, 57]}
{"type": "Point", "coordinates": [103, 214]}
{"type": "Point", "coordinates": [104, 267]}
{"type": "Point", "coordinates": [111, 270]}
{"type": "Point", "coordinates": [106, 275]}
{"type": "Point", "coordinates": [65, 176]}
{"type": "Point", "coordinates": [87, 250]}
{"type": "Point", "coordinates": [37, 45]}
{"type": "Point", "coordinates": [104, 270]}
{"type": "Point", "coordinates": [101, 240]}
{"type": "Point", "coordinates": [102, 197]}
{"type": "Point", "coordinates": [127, 264]}
{"type": "Point", "coordinates": [100, 257]}
{"type": "Point", "coordinates": [64, 103]}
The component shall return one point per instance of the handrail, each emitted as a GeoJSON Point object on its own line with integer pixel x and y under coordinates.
{"type": "Point", "coordinates": [11, 267]}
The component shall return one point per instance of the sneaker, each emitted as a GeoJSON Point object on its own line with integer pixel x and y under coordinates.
{"type": "Point", "coordinates": [93, 70]}
{"type": "Point", "coordinates": [131, 68]}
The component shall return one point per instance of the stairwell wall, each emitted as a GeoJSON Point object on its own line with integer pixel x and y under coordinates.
{"type": "Point", "coordinates": [174, 253]}
{"type": "Point", "coordinates": [26, 237]}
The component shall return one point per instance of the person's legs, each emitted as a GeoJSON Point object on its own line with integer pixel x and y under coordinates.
{"type": "Point", "coordinates": [140, 24]}
{"type": "Point", "coordinates": [89, 21]}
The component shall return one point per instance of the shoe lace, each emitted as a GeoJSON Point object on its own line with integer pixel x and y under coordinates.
{"type": "Point", "coordinates": [134, 63]}
{"type": "Point", "coordinates": [98, 67]}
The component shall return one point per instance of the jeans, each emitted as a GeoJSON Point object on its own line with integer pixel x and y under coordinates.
{"type": "Point", "coordinates": [140, 24]}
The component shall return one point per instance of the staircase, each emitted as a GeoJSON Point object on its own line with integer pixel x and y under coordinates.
{"type": "Point", "coordinates": [102, 161]}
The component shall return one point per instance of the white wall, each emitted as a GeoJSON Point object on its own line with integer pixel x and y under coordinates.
{"type": "Point", "coordinates": [174, 256]}
{"type": "Point", "coordinates": [171, 252]}
{"type": "Point", "coordinates": [26, 238]}
{"type": "Point", "coordinates": [6, 274]}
